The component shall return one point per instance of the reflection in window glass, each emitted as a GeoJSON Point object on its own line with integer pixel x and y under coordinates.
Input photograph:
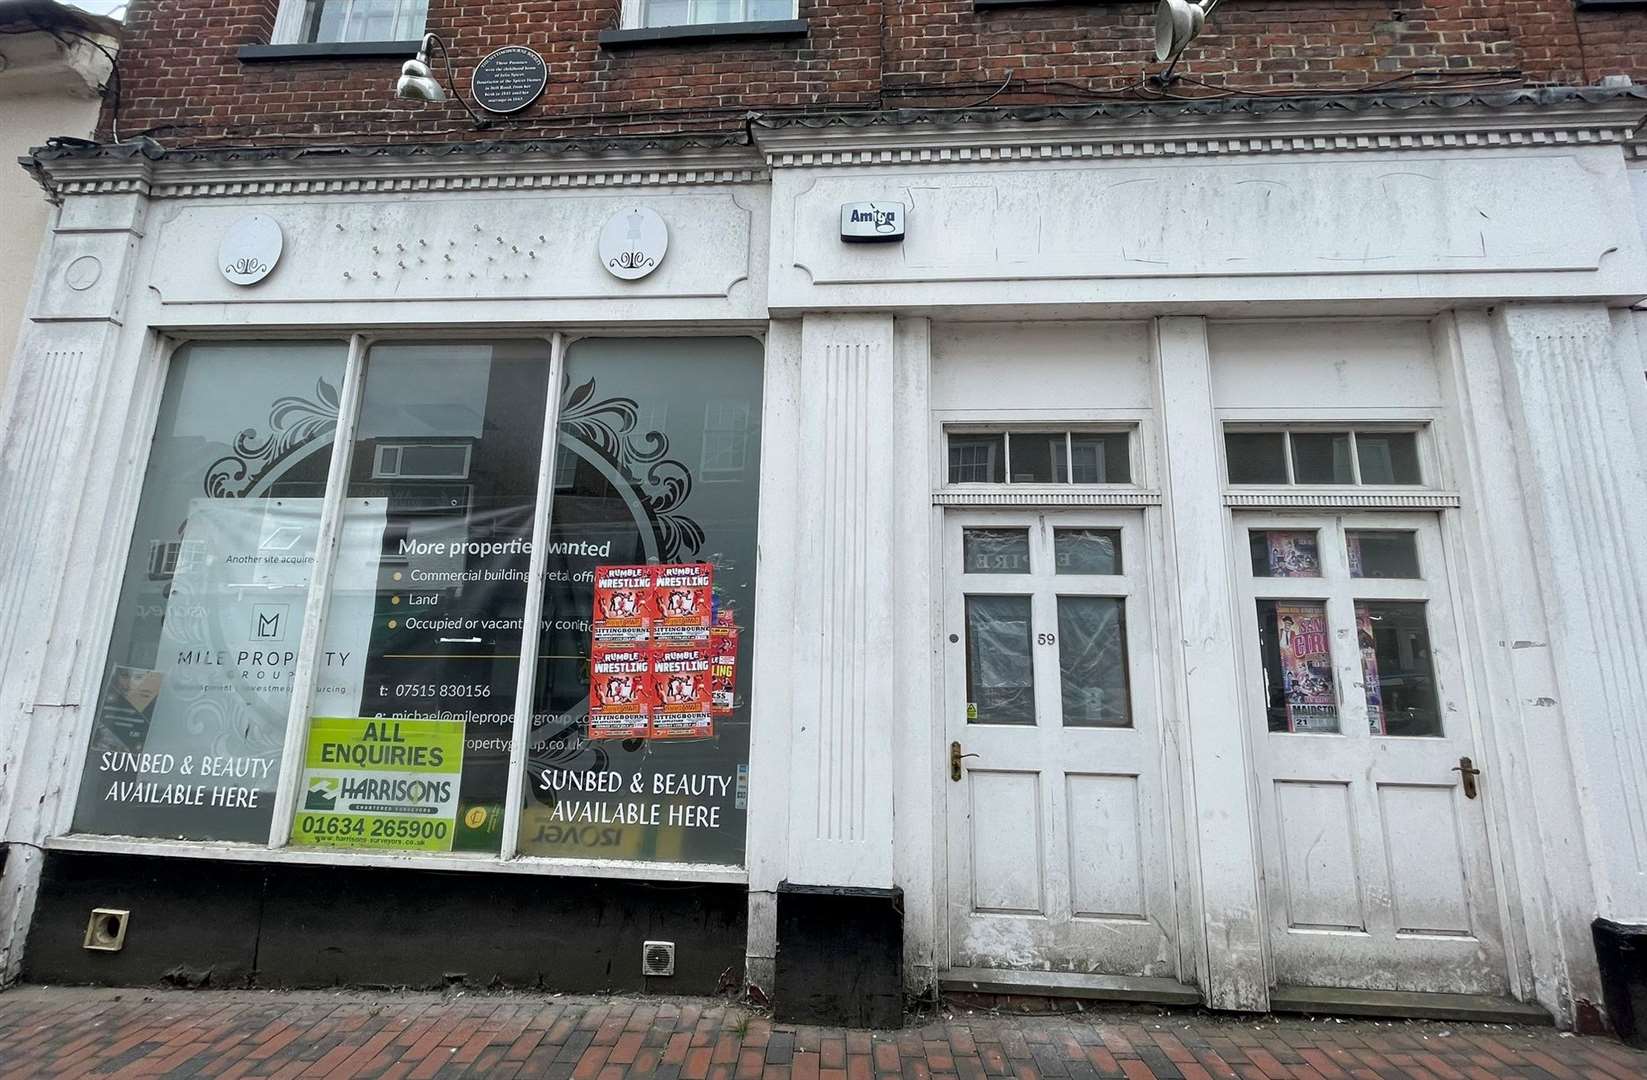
{"type": "Point", "coordinates": [1383, 553]}
{"type": "Point", "coordinates": [361, 20]}
{"type": "Point", "coordinates": [1320, 457]}
{"type": "Point", "coordinates": [1087, 551]}
{"type": "Point", "coordinates": [1284, 553]}
{"type": "Point", "coordinates": [1388, 458]}
{"type": "Point", "coordinates": [1039, 457]}
{"type": "Point", "coordinates": [206, 632]}
{"type": "Point", "coordinates": [1092, 661]}
{"type": "Point", "coordinates": [428, 594]}
{"type": "Point", "coordinates": [1256, 457]}
{"type": "Point", "coordinates": [977, 459]}
{"type": "Point", "coordinates": [1000, 674]}
{"type": "Point", "coordinates": [1397, 668]}
{"type": "Point", "coordinates": [634, 439]}
{"type": "Point", "coordinates": [995, 551]}
{"type": "Point", "coordinates": [1296, 653]}
{"type": "Point", "coordinates": [1100, 458]}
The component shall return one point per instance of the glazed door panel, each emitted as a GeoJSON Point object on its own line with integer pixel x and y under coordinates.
{"type": "Point", "coordinates": [1057, 848]}
{"type": "Point", "coordinates": [1376, 865]}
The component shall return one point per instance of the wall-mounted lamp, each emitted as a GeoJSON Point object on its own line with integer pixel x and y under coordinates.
{"type": "Point", "coordinates": [418, 83]}
{"type": "Point", "coordinates": [1176, 24]}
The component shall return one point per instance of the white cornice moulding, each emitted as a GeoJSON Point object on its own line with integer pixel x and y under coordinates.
{"type": "Point", "coordinates": [1347, 500]}
{"type": "Point", "coordinates": [328, 175]}
{"type": "Point", "coordinates": [346, 171]}
{"type": "Point", "coordinates": [1006, 496]}
{"type": "Point", "coordinates": [1143, 136]}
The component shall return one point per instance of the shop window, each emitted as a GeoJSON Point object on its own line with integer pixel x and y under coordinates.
{"type": "Point", "coordinates": [1039, 457]}
{"type": "Point", "coordinates": [420, 717]}
{"type": "Point", "coordinates": [1316, 457]}
{"type": "Point", "coordinates": [319, 21]}
{"type": "Point", "coordinates": [424, 621]}
{"type": "Point", "coordinates": [188, 732]}
{"type": "Point", "coordinates": [672, 789]}
{"type": "Point", "coordinates": [650, 13]}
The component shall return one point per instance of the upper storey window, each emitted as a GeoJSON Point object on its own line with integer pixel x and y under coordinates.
{"type": "Point", "coordinates": [652, 13]}
{"type": "Point", "coordinates": [319, 21]}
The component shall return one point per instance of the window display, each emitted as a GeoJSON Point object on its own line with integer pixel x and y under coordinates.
{"type": "Point", "coordinates": [186, 741]}
{"type": "Point", "coordinates": [649, 592]}
{"type": "Point", "coordinates": [429, 592]}
{"type": "Point", "coordinates": [637, 734]}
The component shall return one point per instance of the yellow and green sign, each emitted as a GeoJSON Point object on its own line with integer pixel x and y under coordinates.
{"type": "Point", "coordinates": [380, 782]}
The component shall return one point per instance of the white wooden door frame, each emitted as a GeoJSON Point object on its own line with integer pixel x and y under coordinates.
{"type": "Point", "coordinates": [1446, 627]}
{"type": "Point", "coordinates": [1143, 564]}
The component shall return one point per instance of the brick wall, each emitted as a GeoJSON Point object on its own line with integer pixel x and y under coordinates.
{"type": "Point", "coordinates": [183, 82]}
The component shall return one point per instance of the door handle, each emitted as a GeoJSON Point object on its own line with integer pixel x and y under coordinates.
{"type": "Point", "coordinates": [955, 757]}
{"type": "Point", "coordinates": [1467, 770]}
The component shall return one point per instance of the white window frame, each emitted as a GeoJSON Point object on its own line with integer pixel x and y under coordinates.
{"type": "Point", "coordinates": [634, 15]}
{"type": "Point", "coordinates": [1433, 492]}
{"type": "Point", "coordinates": [1352, 428]}
{"type": "Point", "coordinates": [1067, 430]}
{"type": "Point", "coordinates": [379, 472]}
{"type": "Point", "coordinates": [289, 23]}
{"type": "Point", "coordinates": [277, 848]}
{"type": "Point", "coordinates": [735, 444]}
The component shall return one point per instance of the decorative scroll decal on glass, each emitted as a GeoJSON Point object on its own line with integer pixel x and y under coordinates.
{"type": "Point", "coordinates": [187, 735]}
{"type": "Point", "coordinates": [652, 555]}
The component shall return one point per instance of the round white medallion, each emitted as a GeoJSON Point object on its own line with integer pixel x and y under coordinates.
{"type": "Point", "coordinates": [83, 273]}
{"type": "Point", "coordinates": [633, 243]}
{"type": "Point", "coordinates": [250, 249]}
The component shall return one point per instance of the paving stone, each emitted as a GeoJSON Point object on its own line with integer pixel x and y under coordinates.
{"type": "Point", "coordinates": [69, 1033]}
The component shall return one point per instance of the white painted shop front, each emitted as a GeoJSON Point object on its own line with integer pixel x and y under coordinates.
{"type": "Point", "coordinates": [1048, 492]}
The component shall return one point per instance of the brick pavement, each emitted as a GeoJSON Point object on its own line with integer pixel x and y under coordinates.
{"type": "Point", "coordinates": [94, 1032]}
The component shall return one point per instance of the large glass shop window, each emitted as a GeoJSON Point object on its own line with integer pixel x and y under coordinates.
{"type": "Point", "coordinates": [657, 466]}
{"type": "Point", "coordinates": [186, 740]}
{"type": "Point", "coordinates": [413, 713]}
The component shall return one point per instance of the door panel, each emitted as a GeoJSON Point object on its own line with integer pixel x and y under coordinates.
{"type": "Point", "coordinates": [1057, 825]}
{"type": "Point", "coordinates": [1376, 867]}
{"type": "Point", "coordinates": [1430, 889]}
{"type": "Point", "coordinates": [1106, 865]}
{"type": "Point", "coordinates": [1318, 854]}
{"type": "Point", "coordinates": [1007, 875]}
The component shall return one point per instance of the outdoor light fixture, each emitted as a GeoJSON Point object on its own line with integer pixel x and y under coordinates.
{"type": "Point", "coordinates": [418, 83]}
{"type": "Point", "coordinates": [1176, 24]}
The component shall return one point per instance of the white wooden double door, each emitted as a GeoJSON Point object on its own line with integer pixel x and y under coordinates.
{"type": "Point", "coordinates": [1375, 864]}
{"type": "Point", "coordinates": [1057, 831]}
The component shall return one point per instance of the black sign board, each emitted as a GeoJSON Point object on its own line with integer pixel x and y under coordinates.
{"type": "Point", "coordinates": [509, 79]}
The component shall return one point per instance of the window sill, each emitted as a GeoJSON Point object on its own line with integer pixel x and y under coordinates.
{"type": "Point", "coordinates": [330, 50]}
{"type": "Point", "coordinates": [708, 33]}
{"type": "Point", "coordinates": [470, 862]}
{"type": "Point", "coordinates": [979, 5]}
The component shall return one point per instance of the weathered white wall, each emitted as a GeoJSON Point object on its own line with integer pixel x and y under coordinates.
{"type": "Point", "coordinates": [1018, 370]}
{"type": "Point", "coordinates": [1340, 366]}
{"type": "Point", "coordinates": [1376, 226]}
{"type": "Point", "coordinates": [29, 119]}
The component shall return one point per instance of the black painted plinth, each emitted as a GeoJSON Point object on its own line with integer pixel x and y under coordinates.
{"type": "Point", "coordinates": [840, 956]}
{"type": "Point", "coordinates": [1621, 953]}
{"type": "Point", "coordinates": [205, 922]}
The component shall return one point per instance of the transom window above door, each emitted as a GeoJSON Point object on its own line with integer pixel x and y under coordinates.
{"type": "Point", "coordinates": [318, 21]}
{"type": "Point", "coordinates": [650, 13]}
{"type": "Point", "coordinates": [1039, 456]}
{"type": "Point", "coordinates": [1341, 456]}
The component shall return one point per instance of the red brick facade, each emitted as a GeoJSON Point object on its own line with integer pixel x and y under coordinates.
{"type": "Point", "coordinates": [183, 82]}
